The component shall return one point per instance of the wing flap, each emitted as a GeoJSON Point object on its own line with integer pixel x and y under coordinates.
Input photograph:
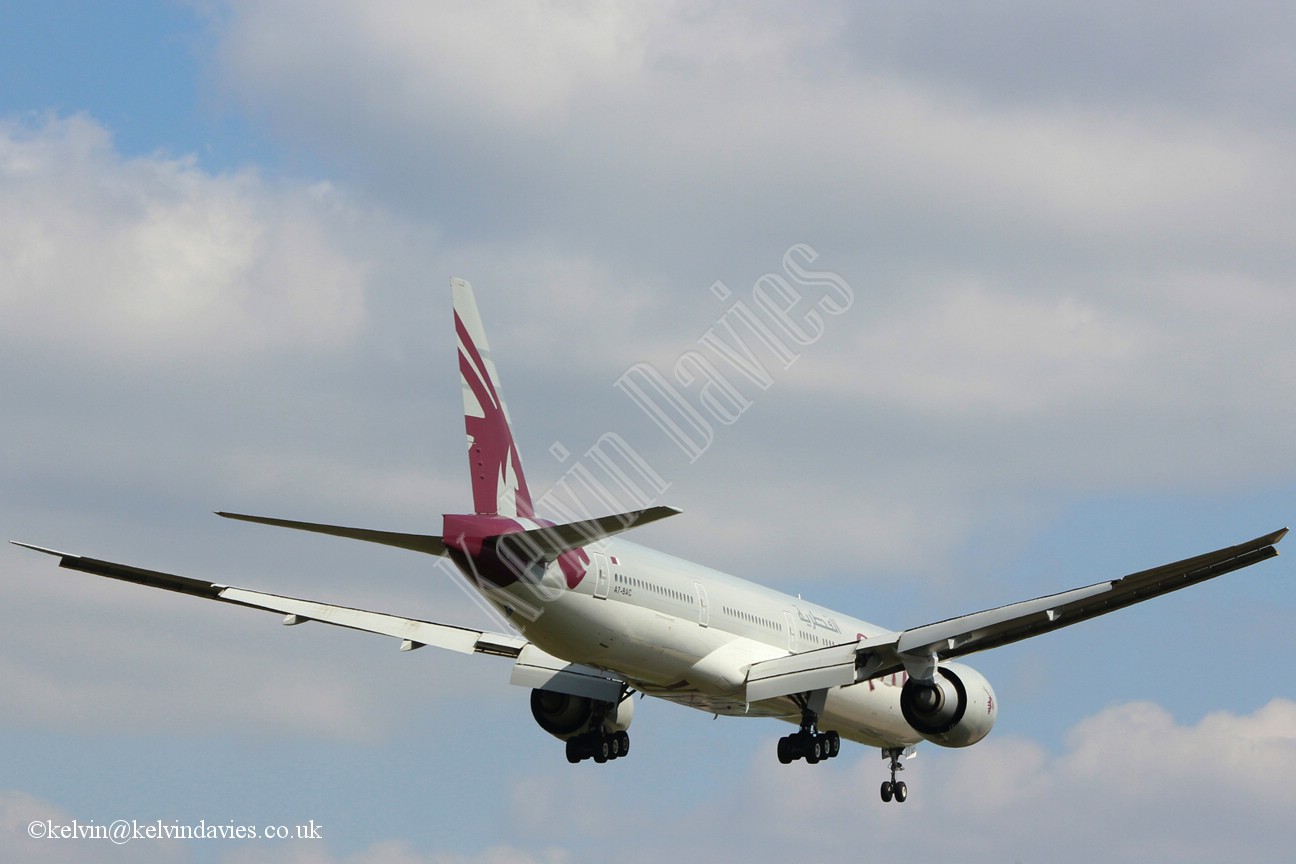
{"type": "Point", "coordinates": [964, 630]}
{"type": "Point", "coordinates": [832, 666]}
{"type": "Point", "coordinates": [540, 671]}
{"type": "Point", "coordinates": [462, 639]}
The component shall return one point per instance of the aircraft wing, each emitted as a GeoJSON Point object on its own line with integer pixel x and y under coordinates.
{"type": "Point", "coordinates": [916, 650]}
{"type": "Point", "coordinates": [533, 667]}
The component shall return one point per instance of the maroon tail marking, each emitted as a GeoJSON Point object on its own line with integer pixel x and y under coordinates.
{"type": "Point", "coordinates": [493, 450]}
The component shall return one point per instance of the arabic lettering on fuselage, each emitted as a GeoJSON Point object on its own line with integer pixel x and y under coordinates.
{"type": "Point", "coordinates": [818, 622]}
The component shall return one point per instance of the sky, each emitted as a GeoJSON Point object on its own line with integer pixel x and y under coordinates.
{"type": "Point", "coordinates": [1054, 244]}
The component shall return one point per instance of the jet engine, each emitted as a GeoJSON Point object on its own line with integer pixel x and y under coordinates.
{"type": "Point", "coordinates": [955, 709]}
{"type": "Point", "coordinates": [567, 717]}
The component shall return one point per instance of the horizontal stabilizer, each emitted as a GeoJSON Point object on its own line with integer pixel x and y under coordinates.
{"type": "Point", "coordinates": [553, 540]}
{"type": "Point", "coordinates": [426, 543]}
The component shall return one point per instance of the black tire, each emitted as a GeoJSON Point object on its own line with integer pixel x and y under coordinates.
{"type": "Point", "coordinates": [786, 753]}
{"type": "Point", "coordinates": [575, 752]}
{"type": "Point", "coordinates": [901, 792]}
{"type": "Point", "coordinates": [624, 738]}
{"type": "Point", "coordinates": [887, 791]}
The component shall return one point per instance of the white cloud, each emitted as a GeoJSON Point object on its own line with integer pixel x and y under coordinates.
{"type": "Point", "coordinates": [123, 673]}
{"type": "Point", "coordinates": [1133, 784]}
{"type": "Point", "coordinates": [537, 68]}
{"type": "Point", "coordinates": [1079, 267]}
{"type": "Point", "coordinates": [1150, 787]}
{"type": "Point", "coordinates": [580, 122]}
{"type": "Point", "coordinates": [153, 260]}
{"type": "Point", "coordinates": [972, 350]}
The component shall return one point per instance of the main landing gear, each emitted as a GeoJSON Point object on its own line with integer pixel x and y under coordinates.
{"type": "Point", "coordinates": [809, 744]}
{"type": "Point", "coordinates": [599, 746]}
{"type": "Point", "coordinates": [894, 788]}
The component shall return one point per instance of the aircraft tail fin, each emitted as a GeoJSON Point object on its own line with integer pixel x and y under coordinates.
{"type": "Point", "coordinates": [498, 484]}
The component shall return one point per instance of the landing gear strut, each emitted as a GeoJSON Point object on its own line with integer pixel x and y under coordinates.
{"type": "Point", "coordinates": [894, 788]}
{"type": "Point", "coordinates": [809, 744]}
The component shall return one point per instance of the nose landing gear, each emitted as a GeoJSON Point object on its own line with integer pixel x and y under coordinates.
{"type": "Point", "coordinates": [893, 788]}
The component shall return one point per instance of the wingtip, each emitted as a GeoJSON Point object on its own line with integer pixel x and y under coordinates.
{"type": "Point", "coordinates": [47, 551]}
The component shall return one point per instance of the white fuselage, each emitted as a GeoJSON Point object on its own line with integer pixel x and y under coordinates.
{"type": "Point", "coordinates": [686, 633]}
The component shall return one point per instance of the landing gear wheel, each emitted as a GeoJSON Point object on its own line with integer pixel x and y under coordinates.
{"type": "Point", "coordinates": [894, 788]}
{"type": "Point", "coordinates": [601, 749]}
{"type": "Point", "coordinates": [809, 744]}
{"type": "Point", "coordinates": [575, 752]}
{"type": "Point", "coordinates": [624, 738]}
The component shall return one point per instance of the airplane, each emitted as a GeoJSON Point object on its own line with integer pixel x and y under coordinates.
{"type": "Point", "coordinates": [598, 619]}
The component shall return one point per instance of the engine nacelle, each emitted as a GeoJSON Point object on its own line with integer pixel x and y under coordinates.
{"type": "Point", "coordinates": [564, 716]}
{"type": "Point", "coordinates": [957, 709]}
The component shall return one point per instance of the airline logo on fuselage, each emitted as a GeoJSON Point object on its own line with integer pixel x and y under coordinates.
{"type": "Point", "coordinates": [818, 622]}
